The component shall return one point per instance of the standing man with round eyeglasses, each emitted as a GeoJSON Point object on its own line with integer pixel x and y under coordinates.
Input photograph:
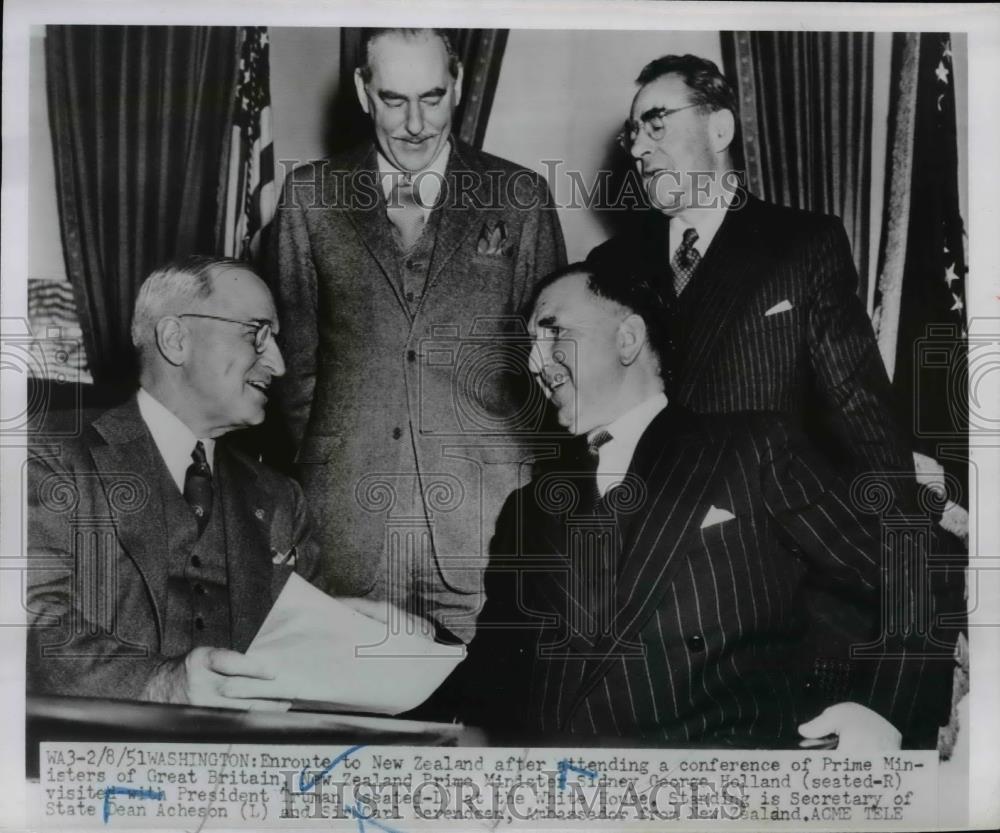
{"type": "Point", "coordinates": [765, 314]}
{"type": "Point", "coordinates": [156, 548]}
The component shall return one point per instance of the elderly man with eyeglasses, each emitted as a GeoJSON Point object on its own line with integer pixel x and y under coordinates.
{"type": "Point", "coordinates": [156, 549]}
{"type": "Point", "coordinates": [764, 311]}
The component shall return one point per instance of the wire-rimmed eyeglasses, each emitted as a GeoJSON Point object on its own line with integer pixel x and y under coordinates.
{"type": "Point", "coordinates": [262, 331]}
{"type": "Point", "coordinates": [653, 123]}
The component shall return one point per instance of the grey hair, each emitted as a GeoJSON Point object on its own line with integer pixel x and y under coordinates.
{"type": "Point", "coordinates": [369, 36]}
{"type": "Point", "coordinates": [171, 289]}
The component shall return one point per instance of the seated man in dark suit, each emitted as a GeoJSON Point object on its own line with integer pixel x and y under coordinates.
{"type": "Point", "coordinates": [651, 590]}
{"type": "Point", "coordinates": [156, 548]}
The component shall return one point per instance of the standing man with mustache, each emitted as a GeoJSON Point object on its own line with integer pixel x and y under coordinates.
{"type": "Point", "coordinates": [156, 548]}
{"type": "Point", "coordinates": [399, 269]}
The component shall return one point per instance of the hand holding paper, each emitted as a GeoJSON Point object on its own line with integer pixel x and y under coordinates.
{"type": "Point", "coordinates": [355, 655]}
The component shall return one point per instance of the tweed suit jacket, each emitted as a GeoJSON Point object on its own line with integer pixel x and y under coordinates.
{"type": "Point", "coordinates": [692, 636]}
{"type": "Point", "coordinates": [408, 423]}
{"type": "Point", "coordinates": [98, 556]}
{"type": "Point", "coordinates": [817, 361]}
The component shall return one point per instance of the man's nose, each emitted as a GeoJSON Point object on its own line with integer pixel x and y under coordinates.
{"type": "Point", "coordinates": [640, 145]}
{"type": "Point", "coordinates": [272, 359]}
{"type": "Point", "coordinates": [536, 358]}
{"type": "Point", "coordinates": [414, 119]}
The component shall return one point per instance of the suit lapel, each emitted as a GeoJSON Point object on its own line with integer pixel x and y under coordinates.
{"type": "Point", "coordinates": [457, 219]}
{"type": "Point", "coordinates": [362, 195]}
{"type": "Point", "coordinates": [679, 473]}
{"type": "Point", "coordinates": [726, 278]}
{"type": "Point", "coordinates": [248, 512]}
{"type": "Point", "coordinates": [129, 461]}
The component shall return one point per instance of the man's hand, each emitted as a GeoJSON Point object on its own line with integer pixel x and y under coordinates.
{"type": "Point", "coordinates": [858, 728]}
{"type": "Point", "coordinates": [201, 677]}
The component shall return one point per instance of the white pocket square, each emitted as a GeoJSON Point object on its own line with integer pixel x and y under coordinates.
{"type": "Point", "coordinates": [781, 306]}
{"type": "Point", "coordinates": [715, 515]}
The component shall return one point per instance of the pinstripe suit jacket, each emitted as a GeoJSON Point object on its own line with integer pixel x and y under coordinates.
{"type": "Point", "coordinates": [817, 362]}
{"type": "Point", "coordinates": [690, 634]}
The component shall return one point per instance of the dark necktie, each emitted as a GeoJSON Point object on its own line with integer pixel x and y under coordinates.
{"type": "Point", "coordinates": [198, 486]}
{"type": "Point", "coordinates": [685, 260]}
{"type": "Point", "coordinates": [406, 214]}
{"type": "Point", "coordinates": [594, 444]}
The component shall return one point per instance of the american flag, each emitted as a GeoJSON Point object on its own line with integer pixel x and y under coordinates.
{"type": "Point", "coordinates": [931, 357]}
{"type": "Point", "coordinates": [251, 195]}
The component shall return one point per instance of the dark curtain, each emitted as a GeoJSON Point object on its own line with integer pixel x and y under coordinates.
{"type": "Point", "coordinates": [139, 118]}
{"type": "Point", "coordinates": [805, 103]}
{"type": "Point", "coordinates": [481, 52]}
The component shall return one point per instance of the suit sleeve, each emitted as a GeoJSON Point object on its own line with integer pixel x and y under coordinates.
{"type": "Point", "coordinates": [76, 643]}
{"type": "Point", "coordinates": [542, 249]}
{"type": "Point", "coordinates": [849, 370]}
{"type": "Point", "coordinates": [880, 557]}
{"type": "Point", "coordinates": [291, 273]}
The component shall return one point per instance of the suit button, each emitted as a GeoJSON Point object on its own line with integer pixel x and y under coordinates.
{"type": "Point", "coordinates": [195, 561]}
{"type": "Point", "coordinates": [199, 623]}
{"type": "Point", "coordinates": [397, 433]}
{"type": "Point", "coordinates": [696, 643]}
{"type": "Point", "coordinates": [409, 297]}
{"type": "Point", "coordinates": [411, 356]}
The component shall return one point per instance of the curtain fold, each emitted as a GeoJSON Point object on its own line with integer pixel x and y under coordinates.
{"type": "Point", "coordinates": [481, 52]}
{"type": "Point", "coordinates": [806, 123]}
{"type": "Point", "coordinates": [138, 117]}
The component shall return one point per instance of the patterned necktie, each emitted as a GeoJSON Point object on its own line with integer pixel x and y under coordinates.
{"type": "Point", "coordinates": [594, 444]}
{"type": "Point", "coordinates": [685, 260]}
{"type": "Point", "coordinates": [198, 486]}
{"type": "Point", "coordinates": [406, 214]}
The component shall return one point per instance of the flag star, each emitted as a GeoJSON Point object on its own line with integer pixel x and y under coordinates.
{"type": "Point", "coordinates": [958, 306]}
{"type": "Point", "coordinates": [949, 276]}
{"type": "Point", "coordinates": [942, 72]}
{"type": "Point", "coordinates": [947, 49]}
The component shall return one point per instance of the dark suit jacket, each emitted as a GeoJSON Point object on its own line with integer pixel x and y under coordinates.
{"type": "Point", "coordinates": [97, 544]}
{"type": "Point", "coordinates": [817, 362]}
{"type": "Point", "coordinates": [692, 636]}
{"type": "Point", "coordinates": [394, 415]}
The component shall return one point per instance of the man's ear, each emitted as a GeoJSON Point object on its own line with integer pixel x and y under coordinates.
{"type": "Point", "coordinates": [173, 340]}
{"type": "Point", "coordinates": [631, 338]}
{"type": "Point", "coordinates": [458, 85]}
{"type": "Point", "coordinates": [359, 88]}
{"type": "Point", "coordinates": [721, 130]}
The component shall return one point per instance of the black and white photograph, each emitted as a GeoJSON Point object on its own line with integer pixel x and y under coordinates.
{"type": "Point", "coordinates": [476, 415]}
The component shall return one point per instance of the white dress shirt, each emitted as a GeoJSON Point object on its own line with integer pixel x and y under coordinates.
{"type": "Point", "coordinates": [615, 456]}
{"type": "Point", "coordinates": [429, 186]}
{"type": "Point", "coordinates": [173, 438]}
{"type": "Point", "coordinates": [707, 222]}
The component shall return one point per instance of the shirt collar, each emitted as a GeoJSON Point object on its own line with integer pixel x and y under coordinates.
{"type": "Point", "coordinates": [706, 221]}
{"type": "Point", "coordinates": [429, 181]}
{"type": "Point", "coordinates": [615, 456]}
{"type": "Point", "coordinates": [174, 440]}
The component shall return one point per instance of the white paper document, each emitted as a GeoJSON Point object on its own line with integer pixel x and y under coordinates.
{"type": "Point", "coordinates": [323, 650]}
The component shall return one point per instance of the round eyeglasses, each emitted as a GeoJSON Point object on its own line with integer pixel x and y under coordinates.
{"type": "Point", "coordinates": [653, 123]}
{"type": "Point", "coordinates": [262, 331]}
